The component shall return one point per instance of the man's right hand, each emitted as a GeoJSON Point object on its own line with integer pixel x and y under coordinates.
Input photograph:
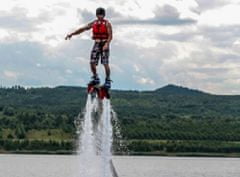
{"type": "Point", "coordinates": [68, 37]}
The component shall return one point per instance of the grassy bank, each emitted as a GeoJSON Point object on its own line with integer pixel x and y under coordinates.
{"type": "Point", "coordinates": [157, 153]}
{"type": "Point", "coordinates": [184, 154]}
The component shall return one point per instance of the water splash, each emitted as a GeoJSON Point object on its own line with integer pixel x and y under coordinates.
{"type": "Point", "coordinates": [88, 160]}
{"type": "Point", "coordinates": [106, 143]}
{"type": "Point", "coordinates": [95, 139]}
{"type": "Point", "coordinates": [119, 145]}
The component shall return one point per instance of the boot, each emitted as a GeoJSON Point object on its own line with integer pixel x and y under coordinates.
{"type": "Point", "coordinates": [94, 80]}
{"type": "Point", "coordinates": [107, 83]}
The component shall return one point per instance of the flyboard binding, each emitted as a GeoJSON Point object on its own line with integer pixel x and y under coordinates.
{"type": "Point", "coordinates": [98, 90]}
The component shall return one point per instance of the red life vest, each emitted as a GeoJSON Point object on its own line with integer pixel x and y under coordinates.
{"type": "Point", "coordinates": [99, 29]}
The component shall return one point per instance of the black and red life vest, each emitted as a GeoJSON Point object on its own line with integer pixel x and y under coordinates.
{"type": "Point", "coordinates": [99, 29]}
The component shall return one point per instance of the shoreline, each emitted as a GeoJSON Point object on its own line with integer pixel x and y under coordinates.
{"type": "Point", "coordinates": [182, 154]}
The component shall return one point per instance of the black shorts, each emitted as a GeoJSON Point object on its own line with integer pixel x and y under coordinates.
{"type": "Point", "coordinates": [97, 52]}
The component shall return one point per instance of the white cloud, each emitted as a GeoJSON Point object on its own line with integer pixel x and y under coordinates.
{"type": "Point", "coordinates": [38, 65]}
{"type": "Point", "coordinates": [145, 81]}
{"type": "Point", "coordinates": [136, 67]}
{"type": "Point", "coordinates": [68, 71]}
{"type": "Point", "coordinates": [226, 15]}
{"type": "Point", "coordinates": [192, 43]}
{"type": "Point", "coordinates": [10, 74]}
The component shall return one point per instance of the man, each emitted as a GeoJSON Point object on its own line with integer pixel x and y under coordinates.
{"type": "Point", "coordinates": [102, 35]}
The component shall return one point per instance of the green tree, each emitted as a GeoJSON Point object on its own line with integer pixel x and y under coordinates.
{"type": "Point", "coordinates": [8, 111]}
{"type": "Point", "coordinates": [20, 131]}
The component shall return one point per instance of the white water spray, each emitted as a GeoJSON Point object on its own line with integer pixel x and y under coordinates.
{"type": "Point", "coordinates": [86, 150]}
{"type": "Point", "coordinates": [106, 142]}
{"type": "Point", "coordinates": [95, 143]}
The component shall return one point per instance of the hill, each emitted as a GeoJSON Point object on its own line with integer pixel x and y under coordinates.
{"type": "Point", "coordinates": [179, 90]}
{"type": "Point", "coordinates": [168, 119]}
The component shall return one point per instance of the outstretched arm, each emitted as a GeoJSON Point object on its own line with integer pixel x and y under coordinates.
{"type": "Point", "coordinates": [80, 30]}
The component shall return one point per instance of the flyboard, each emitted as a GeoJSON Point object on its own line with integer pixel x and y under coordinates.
{"type": "Point", "coordinates": [98, 90]}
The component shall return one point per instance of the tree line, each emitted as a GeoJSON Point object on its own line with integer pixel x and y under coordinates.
{"type": "Point", "coordinates": [176, 115]}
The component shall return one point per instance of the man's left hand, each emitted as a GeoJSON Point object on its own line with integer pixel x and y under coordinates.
{"type": "Point", "coordinates": [106, 46]}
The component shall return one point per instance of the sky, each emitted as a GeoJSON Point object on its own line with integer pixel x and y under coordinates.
{"type": "Point", "coordinates": [190, 43]}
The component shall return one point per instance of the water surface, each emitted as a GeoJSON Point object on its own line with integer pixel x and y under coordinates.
{"type": "Point", "coordinates": [16, 165]}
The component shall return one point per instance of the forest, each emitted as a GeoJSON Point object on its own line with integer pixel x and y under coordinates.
{"type": "Point", "coordinates": [168, 120]}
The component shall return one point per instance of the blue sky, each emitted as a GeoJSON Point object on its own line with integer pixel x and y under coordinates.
{"type": "Point", "coordinates": [192, 43]}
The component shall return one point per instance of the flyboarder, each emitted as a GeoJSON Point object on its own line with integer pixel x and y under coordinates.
{"type": "Point", "coordinates": [102, 36]}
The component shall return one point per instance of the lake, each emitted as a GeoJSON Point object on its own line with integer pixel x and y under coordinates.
{"type": "Point", "coordinates": [16, 165]}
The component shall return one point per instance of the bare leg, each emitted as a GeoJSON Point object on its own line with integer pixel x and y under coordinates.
{"type": "Point", "coordinates": [107, 71]}
{"type": "Point", "coordinates": [93, 69]}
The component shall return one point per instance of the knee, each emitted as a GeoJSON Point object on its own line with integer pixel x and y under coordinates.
{"type": "Point", "coordinates": [106, 66]}
{"type": "Point", "coordinates": [93, 65]}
